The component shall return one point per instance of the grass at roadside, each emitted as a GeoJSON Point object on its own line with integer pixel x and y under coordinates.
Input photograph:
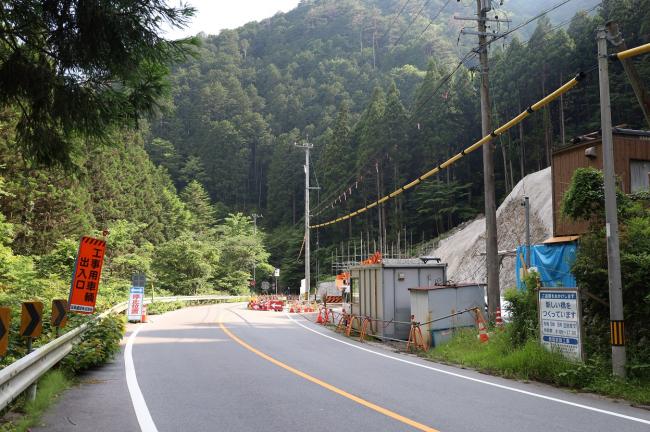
{"type": "Point", "coordinates": [50, 386]}
{"type": "Point", "coordinates": [531, 361]}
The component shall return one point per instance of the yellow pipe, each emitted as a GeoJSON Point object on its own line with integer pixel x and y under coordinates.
{"type": "Point", "coordinates": [633, 52]}
{"type": "Point", "coordinates": [511, 123]}
{"type": "Point", "coordinates": [516, 120]}
{"type": "Point", "coordinates": [413, 183]}
{"type": "Point", "coordinates": [428, 174]}
{"type": "Point", "coordinates": [556, 94]}
{"type": "Point", "coordinates": [451, 160]}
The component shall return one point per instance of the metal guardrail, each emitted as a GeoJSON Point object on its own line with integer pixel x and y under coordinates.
{"type": "Point", "coordinates": [19, 375]}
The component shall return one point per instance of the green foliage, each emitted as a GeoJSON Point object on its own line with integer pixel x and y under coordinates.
{"type": "Point", "coordinates": [157, 308]}
{"type": "Point", "coordinates": [590, 270]}
{"type": "Point", "coordinates": [82, 69]}
{"type": "Point", "coordinates": [585, 198]}
{"type": "Point", "coordinates": [50, 386]}
{"type": "Point", "coordinates": [185, 264]}
{"type": "Point", "coordinates": [522, 306]}
{"type": "Point", "coordinates": [531, 361]}
{"type": "Point", "coordinates": [98, 344]}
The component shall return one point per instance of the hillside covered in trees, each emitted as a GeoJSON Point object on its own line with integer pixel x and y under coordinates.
{"type": "Point", "coordinates": [383, 96]}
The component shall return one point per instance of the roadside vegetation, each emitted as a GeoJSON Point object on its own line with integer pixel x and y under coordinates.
{"type": "Point", "coordinates": [516, 352]}
{"type": "Point", "coordinates": [27, 414]}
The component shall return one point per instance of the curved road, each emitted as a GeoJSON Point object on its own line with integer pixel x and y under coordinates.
{"type": "Point", "coordinates": [224, 368]}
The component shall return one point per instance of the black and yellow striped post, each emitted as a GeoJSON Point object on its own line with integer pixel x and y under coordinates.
{"type": "Point", "coordinates": [617, 332]}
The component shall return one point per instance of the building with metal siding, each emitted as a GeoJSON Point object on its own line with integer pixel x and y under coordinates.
{"type": "Point", "coordinates": [381, 291]}
{"type": "Point", "coordinates": [438, 301]}
{"type": "Point", "coordinates": [631, 162]}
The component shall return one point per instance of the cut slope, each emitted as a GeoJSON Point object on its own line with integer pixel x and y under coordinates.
{"type": "Point", "coordinates": [464, 250]}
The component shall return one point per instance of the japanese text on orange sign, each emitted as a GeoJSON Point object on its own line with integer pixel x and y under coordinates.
{"type": "Point", "coordinates": [87, 272]}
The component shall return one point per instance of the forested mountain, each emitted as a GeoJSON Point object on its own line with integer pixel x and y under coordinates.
{"type": "Point", "coordinates": [370, 88]}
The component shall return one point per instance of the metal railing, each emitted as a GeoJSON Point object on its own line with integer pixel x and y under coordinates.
{"type": "Point", "coordinates": [19, 375]}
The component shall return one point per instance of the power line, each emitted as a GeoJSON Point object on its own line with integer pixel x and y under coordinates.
{"type": "Point", "coordinates": [410, 24]}
{"type": "Point", "coordinates": [562, 24]}
{"type": "Point", "coordinates": [485, 139]}
{"type": "Point", "coordinates": [395, 19]}
{"type": "Point", "coordinates": [467, 56]}
{"type": "Point", "coordinates": [525, 23]}
{"type": "Point", "coordinates": [433, 19]}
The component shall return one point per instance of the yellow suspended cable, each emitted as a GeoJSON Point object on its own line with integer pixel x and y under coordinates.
{"type": "Point", "coordinates": [500, 130]}
{"type": "Point", "coordinates": [632, 52]}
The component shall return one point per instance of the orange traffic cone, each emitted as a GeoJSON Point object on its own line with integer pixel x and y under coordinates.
{"type": "Point", "coordinates": [319, 319]}
{"type": "Point", "coordinates": [144, 317]}
{"type": "Point", "coordinates": [498, 320]}
{"type": "Point", "coordinates": [482, 332]}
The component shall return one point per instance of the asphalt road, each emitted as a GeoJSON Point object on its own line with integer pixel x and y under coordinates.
{"type": "Point", "coordinates": [224, 368]}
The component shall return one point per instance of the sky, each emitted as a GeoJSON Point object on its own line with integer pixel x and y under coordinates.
{"type": "Point", "coordinates": [215, 15]}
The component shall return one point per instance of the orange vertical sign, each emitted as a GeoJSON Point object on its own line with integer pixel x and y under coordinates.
{"type": "Point", "coordinates": [87, 272]}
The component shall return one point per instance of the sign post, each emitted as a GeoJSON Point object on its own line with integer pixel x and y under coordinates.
{"type": "Point", "coordinates": [276, 273]}
{"type": "Point", "coordinates": [136, 297]}
{"type": "Point", "coordinates": [86, 276]}
{"type": "Point", "coordinates": [560, 321]}
{"type": "Point", "coordinates": [31, 326]}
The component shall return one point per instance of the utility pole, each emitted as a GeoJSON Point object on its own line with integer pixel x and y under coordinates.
{"type": "Point", "coordinates": [307, 146]}
{"type": "Point", "coordinates": [491, 250]}
{"type": "Point", "coordinates": [526, 205]}
{"type": "Point", "coordinates": [491, 258]}
{"type": "Point", "coordinates": [255, 216]}
{"type": "Point", "coordinates": [617, 325]}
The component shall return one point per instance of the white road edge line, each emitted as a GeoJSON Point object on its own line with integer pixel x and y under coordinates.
{"type": "Point", "coordinates": [537, 395]}
{"type": "Point", "coordinates": [139, 404]}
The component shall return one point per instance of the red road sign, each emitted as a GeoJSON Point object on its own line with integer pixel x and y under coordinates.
{"type": "Point", "coordinates": [87, 273]}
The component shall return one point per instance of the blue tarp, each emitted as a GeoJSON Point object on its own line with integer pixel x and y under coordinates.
{"type": "Point", "coordinates": [553, 262]}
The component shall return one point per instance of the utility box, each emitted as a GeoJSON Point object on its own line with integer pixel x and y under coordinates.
{"type": "Point", "coordinates": [433, 302]}
{"type": "Point", "coordinates": [381, 291]}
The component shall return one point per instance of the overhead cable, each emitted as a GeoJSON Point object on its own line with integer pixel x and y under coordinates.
{"type": "Point", "coordinates": [410, 24]}
{"type": "Point", "coordinates": [525, 23]}
{"type": "Point", "coordinates": [486, 139]}
{"type": "Point", "coordinates": [434, 18]}
{"type": "Point", "coordinates": [394, 19]}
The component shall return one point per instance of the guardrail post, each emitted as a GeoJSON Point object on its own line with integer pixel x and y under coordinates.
{"type": "Point", "coordinates": [31, 391]}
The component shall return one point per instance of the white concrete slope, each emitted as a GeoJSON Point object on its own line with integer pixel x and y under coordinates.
{"type": "Point", "coordinates": [464, 249]}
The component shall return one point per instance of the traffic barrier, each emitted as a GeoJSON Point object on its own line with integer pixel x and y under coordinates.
{"type": "Point", "coordinates": [350, 326]}
{"type": "Point", "coordinates": [498, 320]}
{"type": "Point", "coordinates": [481, 324]}
{"type": "Point", "coordinates": [333, 299]}
{"type": "Point", "coordinates": [415, 336]}
{"type": "Point", "coordinates": [343, 322]}
{"type": "Point", "coordinates": [364, 329]}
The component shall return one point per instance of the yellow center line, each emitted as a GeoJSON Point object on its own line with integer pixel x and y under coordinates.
{"type": "Point", "coordinates": [330, 387]}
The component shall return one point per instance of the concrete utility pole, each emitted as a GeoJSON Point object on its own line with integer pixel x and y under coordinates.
{"type": "Point", "coordinates": [617, 326]}
{"type": "Point", "coordinates": [307, 147]}
{"type": "Point", "coordinates": [255, 216]}
{"type": "Point", "coordinates": [526, 205]}
{"type": "Point", "coordinates": [491, 258]}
